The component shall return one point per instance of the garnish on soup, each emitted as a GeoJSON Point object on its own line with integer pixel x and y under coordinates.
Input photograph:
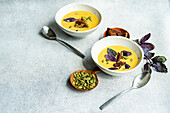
{"type": "Point", "coordinates": [118, 58]}
{"type": "Point", "coordinates": [79, 21]}
{"type": "Point", "coordinates": [69, 19]}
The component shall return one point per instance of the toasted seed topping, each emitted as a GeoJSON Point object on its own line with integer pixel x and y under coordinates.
{"type": "Point", "coordinates": [84, 80]}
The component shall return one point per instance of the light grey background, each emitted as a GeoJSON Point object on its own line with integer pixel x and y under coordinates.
{"type": "Point", "coordinates": [34, 72]}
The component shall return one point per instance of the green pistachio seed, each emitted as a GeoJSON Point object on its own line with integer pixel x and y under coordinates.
{"type": "Point", "coordinates": [131, 59]}
{"type": "Point", "coordinates": [102, 61]}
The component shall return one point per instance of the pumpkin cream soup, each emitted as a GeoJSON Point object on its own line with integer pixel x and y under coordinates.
{"type": "Point", "coordinates": [79, 21]}
{"type": "Point", "coordinates": [118, 58]}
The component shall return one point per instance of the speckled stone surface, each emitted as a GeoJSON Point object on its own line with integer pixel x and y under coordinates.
{"type": "Point", "coordinates": [34, 72]}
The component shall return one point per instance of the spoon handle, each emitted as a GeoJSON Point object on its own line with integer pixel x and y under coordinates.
{"type": "Point", "coordinates": [113, 98]}
{"type": "Point", "coordinates": [72, 48]}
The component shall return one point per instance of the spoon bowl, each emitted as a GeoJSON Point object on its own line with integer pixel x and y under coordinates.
{"type": "Point", "coordinates": [141, 80]}
{"type": "Point", "coordinates": [85, 71]}
{"type": "Point", "coordinates": [48, 33]}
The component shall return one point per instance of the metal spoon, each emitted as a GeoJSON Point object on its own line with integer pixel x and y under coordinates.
{"type": "Point", "coordinates": [140, 81]}
{"type": "Point", "coordinates": [49, 34]}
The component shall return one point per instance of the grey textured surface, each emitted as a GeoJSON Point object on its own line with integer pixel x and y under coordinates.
{"type": "Point", "coordinates": [34, 72]}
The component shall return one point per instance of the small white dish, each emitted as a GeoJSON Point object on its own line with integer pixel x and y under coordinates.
{"type": "Point", "coordinates": [116, 40]}
{"type": "Point", "coordinates": [77, 7]}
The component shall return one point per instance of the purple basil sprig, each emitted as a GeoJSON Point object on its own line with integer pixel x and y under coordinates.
{"type": "Point", "coordinates": [145, 38]}
{"type": "Point", "coordinates": [111, 52]}
{"type": "Point", "coordinates": [147, 47]}
{"type": "Point", "coordinates": [110, 58]}
{"type": "Point", "coordinates": [157, 62]}
{"type": "Point", "coordinates": [111, 55]}
{"type": "Point", "coordinates": [70, 19]}
{"type": "Point", "coordinates": [126, 53]}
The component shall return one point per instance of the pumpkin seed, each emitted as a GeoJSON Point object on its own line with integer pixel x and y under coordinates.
{"type": "Point", "coordinates": [84, 80]}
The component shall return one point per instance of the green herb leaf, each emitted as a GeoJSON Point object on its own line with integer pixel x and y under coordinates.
{"type": "Point", "coordinates": [124, 57]}
{"type": "Point", "coordinates": [131, 59]}
{"type": "Point", "coordinates": [102, 61]}
{"type": "Point", "coordinates": [90, 18]}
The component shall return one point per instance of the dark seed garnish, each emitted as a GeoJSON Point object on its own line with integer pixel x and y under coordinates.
{"type": "Point", "coordinates": [127, 66]}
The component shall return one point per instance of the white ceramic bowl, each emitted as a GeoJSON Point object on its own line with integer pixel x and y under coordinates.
{"type": "Point", "coordinates": [116, 40]}
{"type": "Point", "coordinates": [75, 7]}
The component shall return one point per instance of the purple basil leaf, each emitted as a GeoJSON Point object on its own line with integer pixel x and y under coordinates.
{"type": "Point", "coordinates": [126, 53]}
{"type": "Point", "coordinates": [147, 68]}
{"type": "Point", "coordinates": [149, 55]}
{"type": "Point", "coordinates": [70, 19]}
{"type": "Point", "coordinates": [110, 58]}
{"type": "Point", "coordinates": [127, 66]}
{"type": "Point", "coordinates": [111, 52]}
{"type": "Point", "coordinates": [113, 68]}
{"type": "Point", "coordinates": [137, 41]}
{"type": "Point", "coordinates": [147, 47]}
{"type": "Point", "coordinates": [146, 37]}
{"type": "Point", "coordinates": [160, 67]}
{"type": "Point", "coordinates": [159, 59]}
